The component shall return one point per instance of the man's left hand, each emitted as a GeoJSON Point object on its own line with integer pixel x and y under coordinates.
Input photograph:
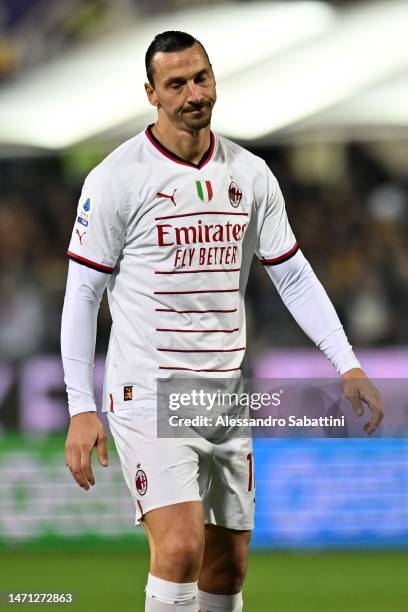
{"type": "Point", "coordinates": [358, 389]}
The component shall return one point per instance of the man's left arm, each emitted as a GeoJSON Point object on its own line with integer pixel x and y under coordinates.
{"type": "Point", "coordinates": [306, 299]}
{"type": "Point", "coordinates": [309, 304]}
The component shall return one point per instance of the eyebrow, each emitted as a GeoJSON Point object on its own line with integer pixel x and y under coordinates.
{"type": "Point", "coordinates": [180, 79]}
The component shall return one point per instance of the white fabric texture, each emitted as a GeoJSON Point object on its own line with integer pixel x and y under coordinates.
{"type": "Point", "coordinates": [163, 595]}
{"type": "Point", "coordinates": [275, 236]}
{"type": "Point", "coordinates": [309, 304]}
{"type": "Point", "coordinates": [220, 603]}
{"type": "Point", "coordinates": [298, 286]}
{"type": "Point", "coordinates": [83, 295]}
{"type": "Point", "coordinates": [99, 230]}
{"type": "Point", "coordinates": [154, 605]}
{"type": "Point", "coordinates": [178, 470]}
{"type": "Point", "coordinates": [177, 241]}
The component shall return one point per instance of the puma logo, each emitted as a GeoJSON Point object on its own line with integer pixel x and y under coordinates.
{"type": "Point", "coordinates": [80, 236]}
{"type": "Point", "coordinates": [169, 197]}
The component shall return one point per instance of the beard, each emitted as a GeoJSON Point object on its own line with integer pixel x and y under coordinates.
{"type": "Point", "coordinates": [197, 117]}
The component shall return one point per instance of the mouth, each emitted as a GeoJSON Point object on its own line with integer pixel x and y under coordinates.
{"type": "Point", "coordinates": [197, 110]}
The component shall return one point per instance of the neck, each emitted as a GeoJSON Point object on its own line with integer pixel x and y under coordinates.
{"type": "Point", "coordinates": [189, 145]}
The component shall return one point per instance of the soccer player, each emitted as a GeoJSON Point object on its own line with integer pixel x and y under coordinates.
{"type": "Point", "coordinates": [169, 223]}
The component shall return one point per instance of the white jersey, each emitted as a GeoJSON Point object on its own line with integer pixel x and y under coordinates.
{"type": "Point", "coordinates": [178, 239]}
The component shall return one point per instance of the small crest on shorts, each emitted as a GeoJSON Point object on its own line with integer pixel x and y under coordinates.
{"type": "Point", "coordinates": [234, 194]}
{"type": "Point", "coordinates": [128, 393]}
{"type": "Point", "coordinates": [141, 481]}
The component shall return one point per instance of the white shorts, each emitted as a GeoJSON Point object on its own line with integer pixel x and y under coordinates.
{"type": "Point", "coordinates": [164, 471]}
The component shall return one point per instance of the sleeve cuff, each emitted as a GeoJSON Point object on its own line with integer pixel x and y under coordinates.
{"type": "Point", "coordinates": [79, 409]}
{"type": "Point", "coordinates": [349, 363]}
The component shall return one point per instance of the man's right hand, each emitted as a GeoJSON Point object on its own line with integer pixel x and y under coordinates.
{"type": "Point", "coordinates": [85, 432]}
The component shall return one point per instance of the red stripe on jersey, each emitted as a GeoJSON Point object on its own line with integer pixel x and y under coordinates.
{"type": "Point", "coordinates": [200, 331]}
{"type": "Point", "coordinates": [277, 260]}
{"type": "Point", "coordinates": [194, 214]}
{"type": "Point", "coordinates": [209, 189]}
{"type": "Point", "coordinates": [193, 370]}
{"type": "Point", "coordinates": [110, 403]}
{"type": "Point", "coordinates": [192, 311]}
{"type": "Point", "coordinates": [140, 507]}
{"type": "Point", "coordinates": [200, 291]}
{"type": "Point", "coordinates": [197, 271]}
{"type": "Point", "coordinates": [89, 263]}
{"type": "Point", "coordinates": [170, 350]}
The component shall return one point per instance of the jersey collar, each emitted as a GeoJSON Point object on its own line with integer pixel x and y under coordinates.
{"type": "Point", "coordinates": [179, 160]}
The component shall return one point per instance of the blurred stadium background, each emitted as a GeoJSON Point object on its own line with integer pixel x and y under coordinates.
{"type": "Point", "coordinates": [319, 89]}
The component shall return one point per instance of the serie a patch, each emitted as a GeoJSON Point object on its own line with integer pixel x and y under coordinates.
{"type": "Point", "coordinates": [82, 221]}
{"type": "Point", "coordinates": [127, 393]}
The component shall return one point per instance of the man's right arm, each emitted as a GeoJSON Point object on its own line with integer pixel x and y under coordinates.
{"type": "Point", "coordinates": [84, 291]}
{"type": "Point", "coordinates": [83, 295]}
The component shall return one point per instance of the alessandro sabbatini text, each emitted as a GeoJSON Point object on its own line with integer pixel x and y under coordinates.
{"type": "Point", "coordinates": [241, 407]}
{"type": "Point", "coordinates": [275, 408]}
{"type": "Point", "coordinates": [269, 421]}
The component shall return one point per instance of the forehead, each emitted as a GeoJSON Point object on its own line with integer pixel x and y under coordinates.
{"type": "Point", "coordinates": [179, 63]}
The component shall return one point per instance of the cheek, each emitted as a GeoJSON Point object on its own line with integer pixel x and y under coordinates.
{"type": "Point", "coordinates": [210, 93]}
{"type": "Point", "coordinates": [171, 104]}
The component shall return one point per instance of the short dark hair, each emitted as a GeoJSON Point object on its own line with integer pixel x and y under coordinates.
{"type": "Point", "coordinates": [168, 42]}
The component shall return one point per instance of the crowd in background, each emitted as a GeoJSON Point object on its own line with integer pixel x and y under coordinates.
{"type": "Point", "coordinates": [353, 232]}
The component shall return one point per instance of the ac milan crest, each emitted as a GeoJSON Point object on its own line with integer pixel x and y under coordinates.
{"type": "Point", "coordinates": [234, 194]}
{"type": "Point", "coordinates": [141, 482]}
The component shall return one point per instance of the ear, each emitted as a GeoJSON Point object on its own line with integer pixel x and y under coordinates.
{"type": "Point", "coordinates": [151, 94]}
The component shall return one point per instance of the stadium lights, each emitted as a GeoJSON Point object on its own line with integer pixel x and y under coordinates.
{"type": "Point", "coordinates": [375, 114]}
{"type": "Point", "coordinates": [97, 88]}
{"type": "Point", "coordinates": [365, 48]}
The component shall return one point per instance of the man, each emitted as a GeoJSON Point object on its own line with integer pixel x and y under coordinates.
{"type": "Point", "coordinates": [169, 223]}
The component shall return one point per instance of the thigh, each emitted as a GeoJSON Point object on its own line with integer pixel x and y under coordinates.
{"type": "Point", "coordinates": [158, 472]}
{"type": "Point", "coordinates": [176, 540]}
{"type": "Point", "coordinates": [230, 501]}
{"type": "Point", "coordinates": [176, 531]}
{"type": "Point", "coordinates": [183, 521]}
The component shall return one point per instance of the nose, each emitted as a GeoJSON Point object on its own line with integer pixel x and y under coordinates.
{"type": "Point", "coordinates": [194, 93]}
